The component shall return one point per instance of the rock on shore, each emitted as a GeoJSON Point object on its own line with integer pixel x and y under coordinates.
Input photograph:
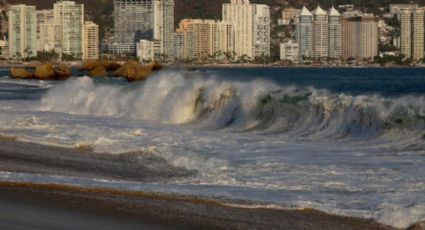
{"type": "Point", "coordinates": [21, 73]}
{"type": "Point", "coordinates": [135, 71]}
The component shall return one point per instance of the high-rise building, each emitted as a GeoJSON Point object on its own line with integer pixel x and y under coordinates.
{"type": "Point", "coordinates": [69, 26]}
{"type": "Point", "coordinates": [203, 39]}
{"type": "Point", "coordinates": [418, 34]}
{"type": "Point", "coordinates": [359, 36]}
{"type": "Point", "coordinates": [91, 41]}
{"type": "Point", "coordinates": [320, 33]}
{"type": "Point", "coordinates": [305, 33]}
{"type": "Point", "coordinates": [134, 21]}
{"type": "Point", "coordinates": [412, 33]}
{"type": "Point", "coordinates": [164, 27]}
{"type": "Point", "coordinates": [406, 32]}
{"type": "Point", "coordinates": [335, 34]}
{"type": "Point", "coordinates": [45, 30]}
{"type": "Point", "coordinates": [22, 31]}
{"type": "Point", "coordinates": [251, 25]}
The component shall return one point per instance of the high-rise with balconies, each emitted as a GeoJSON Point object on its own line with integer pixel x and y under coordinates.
{"type": "Point", "coordinates": [22, 31]}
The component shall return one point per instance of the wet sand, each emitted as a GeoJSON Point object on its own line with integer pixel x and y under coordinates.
{"type": "Point", "coordinates": [31, 204]}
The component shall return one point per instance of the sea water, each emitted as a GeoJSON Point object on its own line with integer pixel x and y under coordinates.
{"type": "Point", "coordinates": [345, 141]}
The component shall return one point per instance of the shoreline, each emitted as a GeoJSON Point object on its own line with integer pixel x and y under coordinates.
{"type": "Point", "coordinates": [167, 209]}
{"type": "Point", "coordinates": [8, 65]}
{"type": "Point", "coordinates": [178, 211]}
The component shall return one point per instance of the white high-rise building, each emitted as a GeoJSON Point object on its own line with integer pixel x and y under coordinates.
{"type": "Point", "coordinates": [335, 34]}
{"type": "Point", "coordinates": [251, 25]}
{"type": "Point", "coordinates": [305, 33]}
{"type": "Point", "coordinates": [163, 27]}
{"type": "Point", "coordinates": [91, 41]}
{"type": "Point", "coordinates": [69, 26]}
{"type": "Point", "coordinates": [320, 33]}
{"type": "Point", "coordinates": [22, 31]}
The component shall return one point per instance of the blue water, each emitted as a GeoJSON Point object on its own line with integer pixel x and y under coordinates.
{"type": "Point", "coordinates": [354, 81]}
{"type": "Point", "coordinates": [343, 140]}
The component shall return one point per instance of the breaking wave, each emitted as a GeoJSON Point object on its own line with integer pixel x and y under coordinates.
{"type": "Point", "coordinates": [262, 106]}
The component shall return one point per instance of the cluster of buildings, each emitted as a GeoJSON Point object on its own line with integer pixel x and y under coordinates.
{"type": "Point", "coordinates": [322, 35]}
{"type": "Point", "coordinates": [146, 27]}
{"type": "Point", "coordinates": [62, 29]}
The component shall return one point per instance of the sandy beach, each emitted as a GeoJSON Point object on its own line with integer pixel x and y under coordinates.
{"type": "Point", "coordinates": [31, 202]}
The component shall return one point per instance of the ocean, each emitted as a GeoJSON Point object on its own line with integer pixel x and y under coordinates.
{"type": "Point", "coordinates": [347, 141]}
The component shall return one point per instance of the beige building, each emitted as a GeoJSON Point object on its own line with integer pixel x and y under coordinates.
{"type": "Point", "coordinates": [205, 39]}
{"type": "Point", "coordinates": [412, 33]}
{"type": "Point", "coordinates": [22, 31]}
{"type": "Point", "coordinates": [45, 30]}
{"type": "Point", "coordinates": [69, 28]}
{"type": "Point", "coordinates": [91, 41]}
{"type": "Point", "coordinates": [359, 36]}
{"type": "Point", "coordinates": [251, 25]}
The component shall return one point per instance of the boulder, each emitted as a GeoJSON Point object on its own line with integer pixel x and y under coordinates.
{"type": "Point", "coordinates": [62, 72]}
{"type": "Point", "coordinates": [90, 65]}
{"type": "Point", "coordinates": [134, 71]}
{"type": "Point", "coordinates": [21, 73]}
{"type": "Point", "coordinates": [110, 65]}
{"type": "Point", "coordinates": [99, 71]}
{"type": "Point", "coordinates": [44, 72]}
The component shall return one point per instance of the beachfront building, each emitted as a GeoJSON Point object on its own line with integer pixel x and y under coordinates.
{"type": "Point", "coordinates": [289, 51]}
{"type": "Point", "coordinates": [91, 41]}
{"type": "Point", "coordinates": [412, 33]}
{"type": "Point", "coordinates": [205, 39]}
{"type": "Point", "coordinates": [359, 36]}
{"type": "Point", "coordinates": [45, 30]}
{"type": "Point", "coordinates": [304, 33]}
{"type": "Point", "coordinates": [251, 26]}
{"type": "Point", "coordinates": [69, 28]}
{"type": "Point", "coordinates": [163, 27]}
{"type": "Point", "coordinates": [145, 50]}
{"type": "Point", "coordinates": [22, 31]}
{"type": "Point", "coordinates": [335, 34]}
{"type": "Point", "coordinates": [133, 22]}
{"type": "Point", "coordinates": [320, 33]}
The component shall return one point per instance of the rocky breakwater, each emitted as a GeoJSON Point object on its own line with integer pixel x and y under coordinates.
{"type": "Point", "coordinates": [135, 71]}
{"type": "Point", "coordinates": [46, 71]}
{"type": "Point", "coordinates": [131, 70]}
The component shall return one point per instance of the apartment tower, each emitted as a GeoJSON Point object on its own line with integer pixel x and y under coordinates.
{"type": "Point", "coordinates": [22, 31]}
{"type": "Point", "coordinates": [305, 33]}
{"type": "Point", "coordinates": [91, 41]}
{"type": "Point", "coordinates": [251, 25]}
{"type": "Point", "coordinates": [406, 32]}
{"type": "Point", "coordinates": [69, 28]}
{"type": "Point", "coordinates": [134, 21]}
{"type": "Point", "coordinates": [335, 34]}
{"type": "Point", "coordinates": [164, 27]}
{"type": "Point", "coordinates": [320, 33]}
